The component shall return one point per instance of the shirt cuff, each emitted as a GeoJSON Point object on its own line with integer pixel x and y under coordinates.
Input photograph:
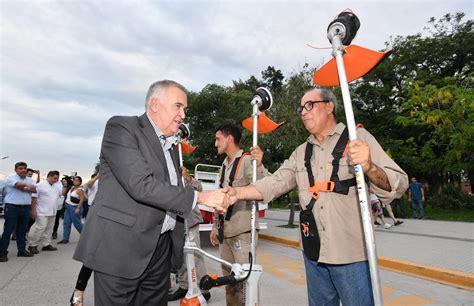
{"type": "Point", "coordinates": [397, 190]}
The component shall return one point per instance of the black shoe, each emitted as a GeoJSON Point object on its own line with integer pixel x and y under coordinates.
{"type": "Point", "coordinates": [49, 247]}
{"type": "Point", "coordinates": [177, 295]}
{"type": "Point", "coordinates": [33, 250]}
{"type": "Point", "coordinates": [24, 253]}
{"type": "Point", "coordinates": [63, 241]}
{"type": "Point", "coordinates": [3, 258]}
{"type": "Point", "coordinates": [398, 222]}
{"type": "Point", "coordinates": [54, 236]}
{"type": "Point", "coordinates": [13, 237]}
{"type": "Point", "coordinates": [207, 296]}
{"type": "Point", "coordinates": [376, 223]}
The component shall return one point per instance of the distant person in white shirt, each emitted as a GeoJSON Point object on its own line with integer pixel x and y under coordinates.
{"type": "Point", "coordinates": [92, 186]}
{"type": "Point", "coordinates": [43, 211]}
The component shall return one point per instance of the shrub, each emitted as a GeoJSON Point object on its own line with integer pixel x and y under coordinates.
{"type": "Point", "coordinates": [451, 197]}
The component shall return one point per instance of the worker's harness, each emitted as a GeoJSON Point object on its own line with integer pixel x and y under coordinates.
{"type": "Point", "coordinates": [309, 230]}
{"type": "Point", "coordinates": [233, 171]}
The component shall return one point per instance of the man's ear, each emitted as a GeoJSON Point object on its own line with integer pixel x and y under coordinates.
{"type": "Point", "coordinates": [331, 108]}
{"type": "Point", "coordinates": [154, 104]}
{"type": "Point", "coordinates": [230, 138]}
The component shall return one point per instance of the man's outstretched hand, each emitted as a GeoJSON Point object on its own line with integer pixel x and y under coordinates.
{"type": "Point", "coordinates": [218, 199]}
{"type": "Point", "coordinates": [231, 194]}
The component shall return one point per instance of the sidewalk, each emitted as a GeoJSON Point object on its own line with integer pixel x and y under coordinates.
{"type": "Point", "coordinates": [422, 244]}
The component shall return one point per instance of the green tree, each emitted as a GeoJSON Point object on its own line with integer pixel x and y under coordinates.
{"type": "Point", "coordinates": [207, 109]}
{"type": "Point", "coordinates": [419, 64]}
{"type": "Point", "coordinates": [444, 115]}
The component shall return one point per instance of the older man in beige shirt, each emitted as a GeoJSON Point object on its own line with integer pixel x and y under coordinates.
{"type": "Point", "coordinates": [341, 273]}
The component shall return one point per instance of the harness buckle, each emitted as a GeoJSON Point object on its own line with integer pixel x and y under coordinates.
{"type": "Point", "coordinates": [324, 186]}
{"type": "Point", "coordinates": [305, 229]}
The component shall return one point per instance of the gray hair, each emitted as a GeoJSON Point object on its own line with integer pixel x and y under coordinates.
{"type": "Point", "coordinates": [326, 94]}
{"type": "Point", "coordinates": [159, 87]}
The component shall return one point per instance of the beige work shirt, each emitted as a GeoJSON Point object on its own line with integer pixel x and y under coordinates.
{"type": "Point", "coordinates": [241, 212]}
{"type": "Point", "coordinates": [337, 216]}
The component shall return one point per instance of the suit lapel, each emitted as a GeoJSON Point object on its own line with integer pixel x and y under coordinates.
{"type": "Point", "coordinates": [153, 139]}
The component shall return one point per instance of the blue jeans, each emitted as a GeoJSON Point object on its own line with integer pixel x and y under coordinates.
{"type": "Point", "coordinates": [418, 211]}
{"type": "Point", "coordinates": [15, 215]}
{"type": "Point", "coordinates": [329, 285]}
{"type": "Point", "coordinates": [71, 217]}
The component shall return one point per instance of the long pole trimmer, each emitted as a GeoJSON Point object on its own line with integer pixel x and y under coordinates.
{"type": "Point", "coordinates": [248, 273]}
{"type": "Point", "coordinates": [194, 296]}
{"type": "Point", "coordinates": [340, 32]}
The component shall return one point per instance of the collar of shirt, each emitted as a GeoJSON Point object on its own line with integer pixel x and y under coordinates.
{"type": "Point", "coordinates": [228, 164]}
{"type": "Point", "coordinates": [166, 142]}
{"type": "Point", "coordinates": [337, 130]}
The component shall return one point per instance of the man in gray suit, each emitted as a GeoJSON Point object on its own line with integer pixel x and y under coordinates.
{"type": "Point", "coordinates": [134, 233]}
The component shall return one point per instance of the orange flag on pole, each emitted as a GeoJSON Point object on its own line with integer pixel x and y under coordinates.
{"type": "Point", "coordinates": [186, 147]}
{"type": "Point", "coordinates": [358, 61]}
{"type": "Point", "coordinates": [265, 124]}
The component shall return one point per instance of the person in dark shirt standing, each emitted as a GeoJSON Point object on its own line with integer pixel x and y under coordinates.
{"type": "Point", "coordinates": [417, 196]}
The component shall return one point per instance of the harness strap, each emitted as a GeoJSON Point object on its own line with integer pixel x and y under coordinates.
{"type": "Point", "coordinates": [334, 184]}
{"type": "Point", "coordinates": [307, 163]}
{"type": "Point", "coordinates": [233, 171]}
{"type": "Point", "coordinates": [343, 186]}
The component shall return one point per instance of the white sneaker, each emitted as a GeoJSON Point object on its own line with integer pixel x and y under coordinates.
{"type": "Point", "coordinates": [387, 225]}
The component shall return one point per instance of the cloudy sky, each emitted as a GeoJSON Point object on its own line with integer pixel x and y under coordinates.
{"type": "Point", "coordinates": [67, 66]}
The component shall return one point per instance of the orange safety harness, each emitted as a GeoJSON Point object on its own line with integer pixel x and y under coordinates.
{"type": "Point", "coordinates": [309, 230]}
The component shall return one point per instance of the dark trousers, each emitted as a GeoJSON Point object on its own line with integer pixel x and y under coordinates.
{"type": "Point", "coordinates": [30, 224]}
{"type": "Point", "coordinates": [16, 220]}
{"type": "Point", "coordinates": [151, 288]}
{"type": "Point", "coordinates": [398, 207]}
{"type": "Point", "coordinates": [59, 215]}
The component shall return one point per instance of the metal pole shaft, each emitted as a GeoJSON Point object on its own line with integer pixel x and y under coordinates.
{"type": "Point", "coordinates": [253, 218]}
{"type": "Point", "coordinates": [194, 249]}
{"type": "Point", "coordinates": [190, 265]}
{"type": "Point", "coordinates": [359, 174]}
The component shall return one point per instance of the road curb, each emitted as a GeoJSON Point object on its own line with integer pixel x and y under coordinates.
{"type": "Point", "coordinates": [280, 240]}
{"type": "Point", "coordinates": [441, 275]}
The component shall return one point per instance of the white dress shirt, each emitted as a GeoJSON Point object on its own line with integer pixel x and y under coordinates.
{"type": "Point", "coordinates": [47, 196]}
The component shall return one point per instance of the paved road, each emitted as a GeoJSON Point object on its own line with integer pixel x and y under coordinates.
{"type": "Point", "coordinates": [49, 278]}
{"type": "Point", "coordinates": [440, 244]}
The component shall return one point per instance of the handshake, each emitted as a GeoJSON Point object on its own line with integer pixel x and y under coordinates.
{"type": "Point", "coordinates": [219, 199]}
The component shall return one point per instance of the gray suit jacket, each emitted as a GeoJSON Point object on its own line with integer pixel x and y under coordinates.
{"type": "Point", "coordinates": [134, 194]}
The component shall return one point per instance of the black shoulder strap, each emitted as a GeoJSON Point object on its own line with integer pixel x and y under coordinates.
{"type": "Point", "coordinates": [233, 171]}
{"type": "Point", "coordinates": [235, 166]}
{"type": "Point", "coordinates": [307, 163]}
{"type": "Point", "coordinates": [221, 182]}
{"type": "Point", "coordinates": [340, 186]}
